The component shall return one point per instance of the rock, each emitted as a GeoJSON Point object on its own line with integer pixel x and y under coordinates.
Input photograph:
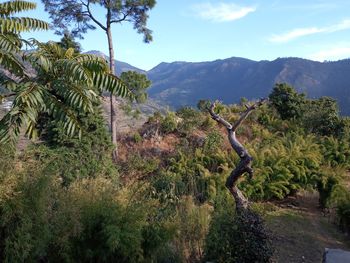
{"type": "Point", "coordinates": [336, 256]}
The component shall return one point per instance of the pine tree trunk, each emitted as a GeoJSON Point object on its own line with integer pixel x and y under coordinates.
{"type": "Point", "coordinates": [113, 115]}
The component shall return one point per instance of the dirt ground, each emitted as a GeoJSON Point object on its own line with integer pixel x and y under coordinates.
{"type": "Point", "coordinates": [302, 231]}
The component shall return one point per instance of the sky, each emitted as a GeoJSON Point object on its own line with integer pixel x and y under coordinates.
{"type": "Point", "coordinates": [201, 30]}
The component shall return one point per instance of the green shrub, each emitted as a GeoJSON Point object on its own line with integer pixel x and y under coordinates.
{"type": "Point", "coordinates": [87, 156]}
{"type": "Point", "coordinates": [325, 188]}
{"type": "Point", "coordinates": [343, 213]}
{"type": "Point", "coordinates": [191, 119]}
{"type": "Point", "coordinates": [238, 238]}
{"type": "Point", "coordinates": [137, 137]}
{"type": "Point", "coordinates": [213, 142]}
{"type": "Point", "coordinates": [169, 124]}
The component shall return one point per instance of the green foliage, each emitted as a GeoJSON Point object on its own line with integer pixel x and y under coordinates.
{"type": "Point", "coordinates": [70, 15]}
{"type": "Point", "coordinates": [67, 42]}
{"type": "Point", "coordinates": [10, 42]}
{"type": "Point", "coordinates": [137, 137]}
{"type": "Point", "coordinates": [192, 119]}
{"type": "Point", "coordinates": [287, 101]}
{"type": "Point", "coordinates": [213, 142]}
{"type": "Point", "coordinates": [336, 151]}
{"type": "Point", "coordinates": [322, 117]}
{"type": "Point", "coordinates": [65, 84]}
{"type": "Point", "coordinates": [203, 105]}
{"type": "Point", "coordinates": [10, 24]}
{"type": "Point", "coordinates": [283, 165]}
{"type": "Point", "coordinates": [140, 166]}
{"type": "Point", "coordinates": [83, 157]}
{"type": "Point", "coordinates": [237, 237]}
{"type": "Point", "coordinates": [168, 123]}
{"type": "Point", "coordinates": [339, 199]}
{"type": "Point", "coordinates": [193, 224]}
{"type": "Point", "coordinates": [137, 83]}
{"type": "Point", "coordinates": [91, 220]}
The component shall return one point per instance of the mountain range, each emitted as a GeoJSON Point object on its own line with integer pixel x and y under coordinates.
{"type": "Point", "coordinates": [184, 83]}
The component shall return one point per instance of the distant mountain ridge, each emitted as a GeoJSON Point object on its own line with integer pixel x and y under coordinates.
{"type": "Point", "coordinates": [119, 65]}
{"type": "Point", "coordinates": [184, 83]}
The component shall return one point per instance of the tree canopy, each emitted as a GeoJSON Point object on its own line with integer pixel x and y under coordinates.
{"type": "Point", "coordinates": [78, 16]}
{"type": "Point", "coordinates": [137, 83]}
{"type": "Point", "coordinates": [62, 84]}
{"type": "Point", "coordinates": [287, 101]}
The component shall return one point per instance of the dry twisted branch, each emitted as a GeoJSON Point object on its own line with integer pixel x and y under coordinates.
{"type": "Point", "coordinates": [245, 163]}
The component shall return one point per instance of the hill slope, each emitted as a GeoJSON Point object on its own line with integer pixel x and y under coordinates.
{"type": "Point", "coordinates": [119, 65]}
{"type": "Point", "coordinates": [184, 83]}
{"type": "Point", "coordinates": [180, 83]}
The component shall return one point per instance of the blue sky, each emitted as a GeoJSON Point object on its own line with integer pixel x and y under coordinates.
{"type": "Point", "coordinates": [201, 30]}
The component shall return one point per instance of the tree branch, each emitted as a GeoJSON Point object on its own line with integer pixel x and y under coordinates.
{"type": "Point", "coordinates": [92, 17]}
{"type": "Point", "coordinates": [245, 163]}
{"type": "Point", "coordinates": [218, 118]}
{"type": "Point", "coordinates": [121, 19]}
{"type": "Point", "coordinates": [245, 114]}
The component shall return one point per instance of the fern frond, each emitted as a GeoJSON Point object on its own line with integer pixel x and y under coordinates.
{"type": "Point", "coordinates": [26, 107]}
{"type": "Point", "coordinates": [12, 7]}
{"type": "Point", "coordinates": [21, 24]}
{"type": "Point", "coordinates": [76, 96]}
{"type": "Point", "coordinates": [60, 111]}
{"type": "Point", "coordinates": [11, 63]}
{"type": "Point", "coordinates": [112, 84]}
{"type": "Point", "coordinates": [92, 62]}
{"type": "Point", "coordinates": [7, 44]}
{"type": "Point", "coordinates": [74, 71]}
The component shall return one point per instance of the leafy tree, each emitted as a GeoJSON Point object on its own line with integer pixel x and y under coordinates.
{"type": "Point", "coordinates": [64, 84]}
{"type": "Point", "coordinates": [67, 41]}
{"type": "Point", "coordinates": [287, 101]}
{"type": "Point", "coordinates": [79, 16]}
{"type": "Point", "coordinates": [322, 117]}
{"type": "Point", "coordinates": [10, 28]}
{"type": "Point", "coordinates": [137, 83]}
{"type": "Point", "coordinates": [203, 105]}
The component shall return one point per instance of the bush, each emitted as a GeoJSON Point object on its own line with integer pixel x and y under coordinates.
{"type": "Point", "coordinates": [137, 137]}
{"type": "Point", "coordinates": [213, 142]}
{"type": "Point", "coordinates": [83, 157]}
{"type": "Point", "coordinates": [169, 124]}
{"type": "Point", "coordinates": [193, 224]}
{"type": "Point", "coordinates": [191, 119]}
{"type": "Point", "coordinates": [91, 220]}
{"type": "Point", "coordinates": [238, 238]}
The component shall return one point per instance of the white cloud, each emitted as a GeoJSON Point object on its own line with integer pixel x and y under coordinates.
{"type": "Point", "coordinates": [334, 53]}
{"type": "Point", "coordinates": [301, 32]}
{"type": "Point", "coordinates": [222, 12]}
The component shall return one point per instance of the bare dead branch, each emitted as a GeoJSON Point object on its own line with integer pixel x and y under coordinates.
{"type": "Point", "coordinates": [245, 114]}
{"type": "Point", "coordinates": [244, 166]}
{"type": "Point", "coordinates": [218, 118]}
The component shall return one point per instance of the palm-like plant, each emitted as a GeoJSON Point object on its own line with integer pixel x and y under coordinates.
{"type": "Point", "coordinates": [61, 84]}
{"type": "Point", "coordinates": [10, 28]}
{"type": "Point", "coordinates": [50, 80]}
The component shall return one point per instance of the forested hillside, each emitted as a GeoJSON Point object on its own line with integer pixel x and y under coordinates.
{"type": "Point", "coordinates": [181, 84]}
{"type": "Point", "coordinates": [165, 200]}
{"type": "Point", "coordinates": [259, 180]}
